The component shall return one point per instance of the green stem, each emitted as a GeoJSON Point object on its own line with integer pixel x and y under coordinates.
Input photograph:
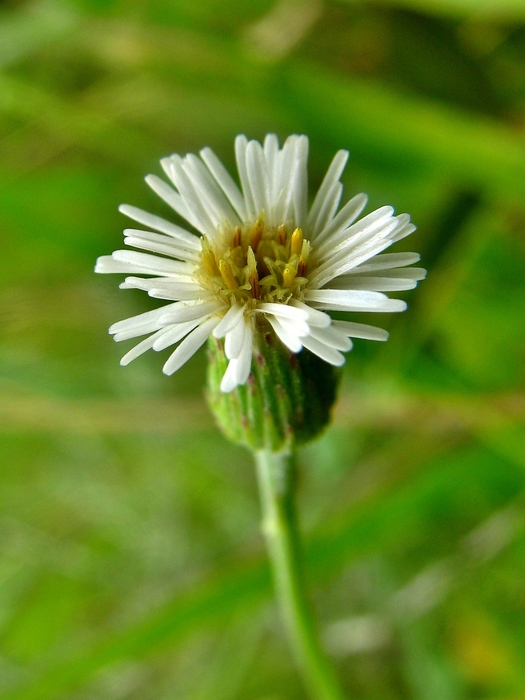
{"type": "Point", "coordinates": [276, 484]}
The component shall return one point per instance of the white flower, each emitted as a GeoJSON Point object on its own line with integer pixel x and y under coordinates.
{"type": "Point", "coordinates": [259, 257]}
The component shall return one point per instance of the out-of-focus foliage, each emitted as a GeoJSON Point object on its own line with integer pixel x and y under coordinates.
{"type": "Point", "coordinates": [132, 566]}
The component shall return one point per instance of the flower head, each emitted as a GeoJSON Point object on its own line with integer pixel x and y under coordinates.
{"type": "Point", "coordinates": [259, 258]}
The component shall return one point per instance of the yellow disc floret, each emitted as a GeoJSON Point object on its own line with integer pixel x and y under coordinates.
{"type": "Point", "coordinates": [256, 263]}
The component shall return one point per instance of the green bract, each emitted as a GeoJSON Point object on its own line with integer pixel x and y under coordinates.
{"type": "Point", "coordinates": [286, 401]}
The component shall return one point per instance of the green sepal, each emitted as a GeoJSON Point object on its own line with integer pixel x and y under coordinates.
{"type": "Point", "coordinates": [286, 401]}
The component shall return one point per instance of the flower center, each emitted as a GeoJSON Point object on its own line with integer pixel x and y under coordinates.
{"type": "Point", "coordinates": [255, 263]}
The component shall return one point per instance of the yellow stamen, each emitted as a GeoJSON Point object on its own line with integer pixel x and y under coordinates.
{"type": "Point", "coordinates": [305, 250]}
{"type": "Point", "coordinates": [251, 260]}
{"type": "Point", "coordinates": [296, 244]}
{"type": "Point", "coordinates": [282, 234]}
{"type": "Point", "coordinates": [257, 232]}
{"type": "Point", "coordinates": [253, 263]}
{"type": "Point", "coordinates": [289, 274]}
{"type": "Point", "coordinates": [253, 275]}
{"type": "Point", "coordinates": [303, 259]}
{"type": "Point", "coordinates": [237, 235]}
{"type": "Point", "coordinates": [227, 274]}
{"type": "Point", "coordinates": [208, 258]}
{"type": "Point", "coordinates": [301, 267]}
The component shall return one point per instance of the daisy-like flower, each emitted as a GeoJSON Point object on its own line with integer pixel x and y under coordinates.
{"type": "Point", "coordinates": [257, 257]}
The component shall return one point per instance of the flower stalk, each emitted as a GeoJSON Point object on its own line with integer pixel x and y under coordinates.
{"type": "Point", "coordinates": [276, 476]}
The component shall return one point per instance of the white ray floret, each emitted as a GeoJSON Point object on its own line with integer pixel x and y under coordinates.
{"type": "Point", "coordinates": [256, 259]}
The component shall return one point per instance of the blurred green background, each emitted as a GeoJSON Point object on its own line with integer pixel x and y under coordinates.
{"type": "Point", "coordinates": [132, 566]}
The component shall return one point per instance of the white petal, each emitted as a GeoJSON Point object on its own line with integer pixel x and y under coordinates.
{"type": "Point", "coordinates": [403, 232]}
{"type": "Point", "coordinates": [284, 310]}
{"type": "Point", "coordinates": [229, 320]}
{"type": "Point", "coordinates": [157, 243]}
{"type": "Point", "coordinates": [136, 332]}
{"type": "Point", "coordinates": [216, 203]}
{"type": "Point", "coordinates": [374, 284]}
{"type": "Point", "coordinates": [350, 300]}
{"type": "Point", "coordinates": [153, 263]}
{"type": "Point", "coordinates": [185, 238]}
{"type": "Point", "coordinates": [229, 378]}
{"type": "Point", "coordinates": [172, 198]}
{"type": "Point", "coordinates": [390, 260]}
{"type": "Point", "coordinates": [361, 330]}
{"type": "Point", "coordinates": [271, 151]}
{"type": "Point", "coordinates": [314, 317]}
{"type": "Point", "coordinates": [168, 288]}
{"type": "Point", "coordinates": [300, 182]}
{"type": "Point", "coordinates": [257, 171]}
{"type": "Point", "coordinates": [174, 333]}
{"type": "Point", "coordinates": [325, 352]}
{"type": "Point", "coordinates": [409, 273]}
{"type": "Point", "coordinates": [190, 345]}
{"type": "Point", "coordinates": [295, 327]}
{"type": "Point", "coordinates": [330, 180]}
{"type": "Point", "coordinates": [176, 294]}
{"type": "Point", "coordinates": [153, 316]}
{"type": "Point", "coordinates": [238, 369]}
{"type": "Point", "coordinates": [241, 144]}
{"type": "Point", "coordinates": [167, 166]}
{"type": "Point", "coordinates": [284, 202]}
{"type": "Point", "coordinates": [380, 220]}
{"type": "Point", "coordinates": [234, 339]}
{"type": "Point", "coordinates": [107, 265]}
{"type": "Point", "coordinates": [201, 215]}
{"type": "Point", "coordinates": [141, 347]}
{"type": "Point", "coordinates": [147, 283]}
{"type": "Point", "coordinates": [350, 259]}
{"type": "Point", "coordinates": [244, 361]}
{"type": "Point", "coordinates": [225, 181]}
{"type": "Point", "coordinates": [186, 311]}
{"type": "Point", "coordinates": [346, 216]}
{"type": "Point", "coordinates": [401, 273]}
{"type": "Point", "coordinates": [333, 337]}
{"type": "Point", "coordinates": [292, 342]}
{"type": "Point", "coordinates": [327, 211]}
